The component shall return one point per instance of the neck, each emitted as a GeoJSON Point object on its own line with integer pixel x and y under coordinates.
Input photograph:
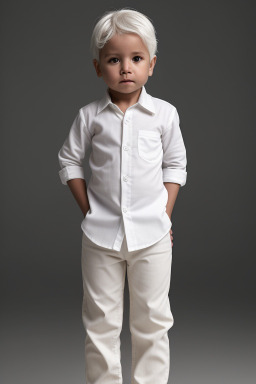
{"type": "Point", "coordinates": [126, 99]}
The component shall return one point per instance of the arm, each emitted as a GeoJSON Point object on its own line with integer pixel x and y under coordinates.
{"type": "Point", "coordinates": [79, 191]}
{"type": "Point", "coordinates": [71, 157]}
{"type": "Point", "coordinates": [174, 160]}
{"type": "Point", "coordinates": [174, 152]}
{"type": "Point", "coordinates": [173, 190]}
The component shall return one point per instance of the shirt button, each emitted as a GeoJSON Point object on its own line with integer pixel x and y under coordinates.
{"type": "Point", "coordinates": [125, 148]}
{"type": "Point", "coordinates": [124, 209]}
{"type": "Point", "coordinates": [125, 178]}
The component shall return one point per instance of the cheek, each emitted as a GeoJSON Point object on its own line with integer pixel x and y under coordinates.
{"type": "Point", "coordinates": [144, 71]}
{"type": "Point", "coordinates": [111, 73]}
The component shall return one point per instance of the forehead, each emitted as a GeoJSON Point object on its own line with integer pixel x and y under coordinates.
{"type": "Point", "coordinates": [123, 43]}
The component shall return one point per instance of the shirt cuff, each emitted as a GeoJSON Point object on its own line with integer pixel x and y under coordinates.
{"type": "Point", "coordinates": [174, 176]}
{"type": "Point", "coordinates": [71, 172]}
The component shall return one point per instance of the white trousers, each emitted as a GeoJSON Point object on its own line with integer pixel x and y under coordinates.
{"type": "Point", "coordinates": [148, 275]}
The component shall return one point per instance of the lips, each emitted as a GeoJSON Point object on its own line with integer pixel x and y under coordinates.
{"type": "Point", "coordinates": [126, 81]}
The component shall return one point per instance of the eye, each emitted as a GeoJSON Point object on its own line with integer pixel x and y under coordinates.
{"type": "Point", "coordinates": [113, 60]}
{"type": "Point", "coordinates": [137, 58]}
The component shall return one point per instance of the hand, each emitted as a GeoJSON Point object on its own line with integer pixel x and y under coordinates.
{"type": "Point", "coordinates": [171, 233]}
{"type": "Point", "coordinates": [85, 213]}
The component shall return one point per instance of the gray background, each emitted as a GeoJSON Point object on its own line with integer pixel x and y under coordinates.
{"type": "Point", "coordinates": [205, 67]}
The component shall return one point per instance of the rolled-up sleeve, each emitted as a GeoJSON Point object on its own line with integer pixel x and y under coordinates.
{"type": "Point", "coordinates": [174, 152]}
{"type": "Point", "coordinates": [72, 152]}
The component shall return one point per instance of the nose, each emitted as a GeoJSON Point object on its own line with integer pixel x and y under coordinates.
{"type": "Point", "coordinates": [125, 67]}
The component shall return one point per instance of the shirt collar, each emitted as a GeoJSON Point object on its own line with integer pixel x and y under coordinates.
{"type": "Point", "coordinates": [145, 100]}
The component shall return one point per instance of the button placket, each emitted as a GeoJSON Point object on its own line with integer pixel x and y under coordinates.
{"type": "Point", "coordinates": [125, 163]}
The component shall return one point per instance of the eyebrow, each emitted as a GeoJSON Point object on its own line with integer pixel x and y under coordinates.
{"type": "Point", "coordinates": [116, 54]}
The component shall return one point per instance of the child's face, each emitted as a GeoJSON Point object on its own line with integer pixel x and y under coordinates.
{"type": "Point", "coordinates": [124, 57]}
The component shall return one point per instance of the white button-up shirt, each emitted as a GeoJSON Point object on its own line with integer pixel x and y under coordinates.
{"type": "Point", "coordinates": [132, 155]}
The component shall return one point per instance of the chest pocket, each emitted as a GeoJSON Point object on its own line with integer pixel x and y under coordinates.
{"type": "Point", "coordinates": [149, 145]}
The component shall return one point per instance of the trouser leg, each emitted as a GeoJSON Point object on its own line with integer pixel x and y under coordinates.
{"type": "Point", "coordinates": [103, 272]}
{"type": "Point", "coordinates": [149, 274]}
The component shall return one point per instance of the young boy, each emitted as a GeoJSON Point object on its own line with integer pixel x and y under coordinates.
{"type": "Point", "coordinates": [138, 163]}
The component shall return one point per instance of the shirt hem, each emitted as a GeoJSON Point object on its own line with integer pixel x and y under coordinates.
{"type": "Point", "coordinates": [147, 244]}
{"type": "Point", "coordinates": [96, 241]}
{"type": "Point", "coordinates": [131, 249]}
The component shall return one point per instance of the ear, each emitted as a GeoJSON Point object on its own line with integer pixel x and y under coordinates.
{"type": "Point", "coordinates": [97, 67]}
{"type": "Point", "coordinates": [152, 65]}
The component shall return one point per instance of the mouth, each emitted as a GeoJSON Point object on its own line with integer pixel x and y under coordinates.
{"type": "Point", "coordinates": [126, 81]}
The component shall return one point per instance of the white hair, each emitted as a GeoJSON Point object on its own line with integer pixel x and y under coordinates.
{"type": "Point", "coordinates": [123, 21]}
